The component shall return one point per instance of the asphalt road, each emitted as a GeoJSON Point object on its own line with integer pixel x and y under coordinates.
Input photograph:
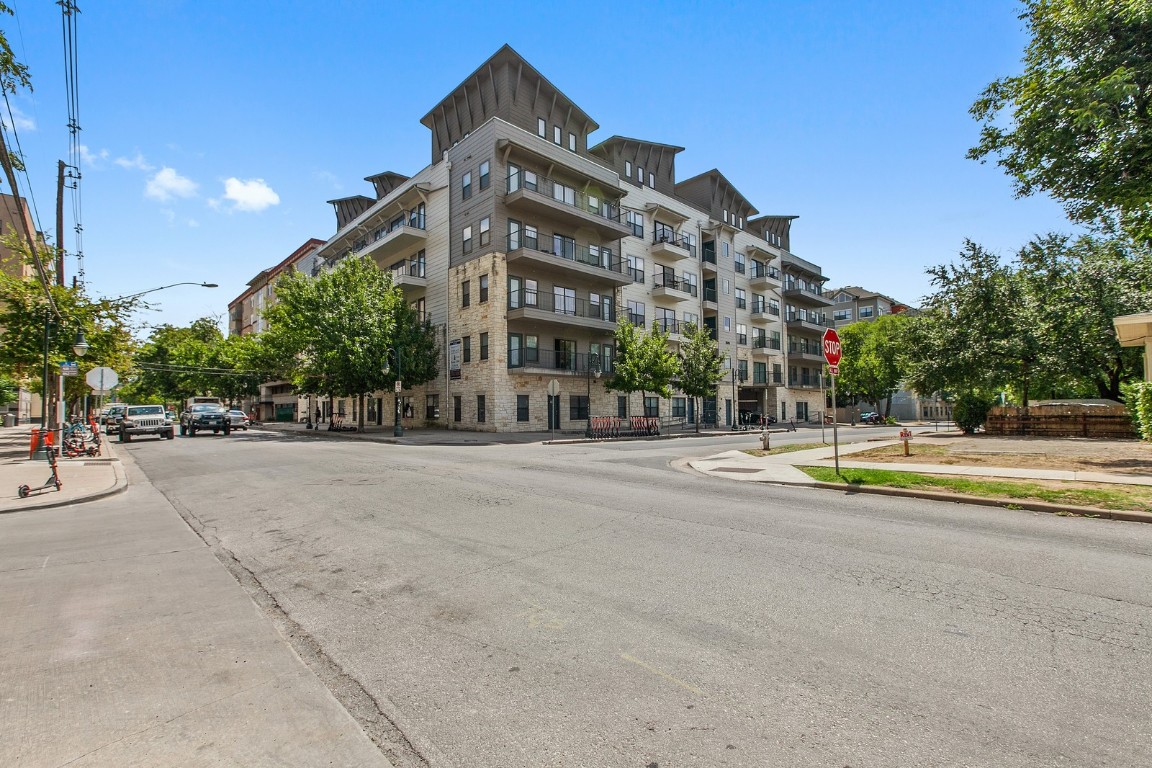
{"type": "Point", "coordinates": [591, 605]}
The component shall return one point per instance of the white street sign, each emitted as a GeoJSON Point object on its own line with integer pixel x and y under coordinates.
{"type": "Point", "coordinates": [553, 387]}
{"type": "Point", "coordinates": [398, 386]}
{"type": "Point", "coordinates": [102, 379]}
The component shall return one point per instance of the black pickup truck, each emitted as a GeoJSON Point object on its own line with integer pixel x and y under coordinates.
{"type": "Point", "coordinates": [202, 416]}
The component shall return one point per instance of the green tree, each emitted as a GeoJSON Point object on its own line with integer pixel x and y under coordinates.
{"type": "Point", "coordinates": [700, 365]}
{"type": "Point", "coordinates": [643, 361]}
{"type": "Point", "coordinates": [9, 390]}
{"type": "Point", "coordinates": [172, 364]}
{"type": "Point", "coordinates": [334, 332]}
{"type": "Point", "coordinates": [873, 363]}
{"type": "Point", "coordinates": [1078, 124]}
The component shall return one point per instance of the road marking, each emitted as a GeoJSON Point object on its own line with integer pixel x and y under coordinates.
{"type": "Point", "coordinates": [45, 562]}
{"type": "Point", "coordinates": [663, 674]}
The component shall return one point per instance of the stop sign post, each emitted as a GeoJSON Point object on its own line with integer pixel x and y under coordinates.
{"type": "Point", "coordinates": [832, 352]}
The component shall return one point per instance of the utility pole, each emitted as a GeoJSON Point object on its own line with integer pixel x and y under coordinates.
{"type": "Point", "coordinates": [60, 222]}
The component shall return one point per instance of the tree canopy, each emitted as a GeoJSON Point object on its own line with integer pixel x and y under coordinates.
{"type": "Point", "coordinates": [874, 360]}
{"type": "Point", "coordinates": [700, 363]}
{"type": "Point", "coordinates": [1076, 122]}
{"type": "Point", "coordinates": [643, 361]}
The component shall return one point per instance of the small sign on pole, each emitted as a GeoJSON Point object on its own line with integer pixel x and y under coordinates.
{"type": "Point", "coordinates": [398, 386]}
{"type": "Point", "coordinates": [69, 369]}
{"type": "Point", "coordinates": [833, 370]}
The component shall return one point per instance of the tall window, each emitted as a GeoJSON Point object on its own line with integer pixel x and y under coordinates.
{"type": "Point", "coordinates": [465, 293]}
{"type": "Point", "coordinates": [565, 246]}
{"type": "Point", "coordinates": [651, 406]}
{"type": "Point", "coordinates": [628, 168]}
{"type": "Point", "coordinates": [485, 231]}
{"type": "Point", "coordinates": [572, 142]}
{"type": "Point", "coordinates": [639, 175]}
{"type": "Point", "coordinates": [622, 405]}
{"type": "Point", "coordinates": [652, 180]}
{"type": "Point", "coordinates": [483, 288]}
{"type": "Point", "coordinates": [741, 299]}
{"type": "Point", "coordinates": [541, 127]}
{"type": "Point", "coordinates": [636, 221]}
{"type": "Point", "coordinates": [466, 344]}
{"type": "Point", "coordinates": [556, 133]}
{"type": "Point", "coordinates": [466, 185]}
{"type": "Point", "coordinates": [636, 313]}
{"type": "Point", "coordinates": [564, 300]}
{"type": "Point", "coordinates": [484, 346]}
{"type": "Point", "coordinates": [481, 409]}
{"type": "Point", "coordinates": [521, 407]}
{"type": "Point", "coordinates": [466, 238]}
{"type": "Point", "coordinates": [431, 407]}
{"type": "Point", "coordinates": [485, 177]}
{"type": "Point", "coordinates": [726, 249]}
{"type": "Point", "coordinates": [457, 407]}
{"type": "Point", "coordinates": [636, 268]}
{"type": "Point", "coordinates": [741, 334]}
{"type": "Point", "coordinates": [740, 262]}
{"type": "Point", "coordinates": [577, 407]}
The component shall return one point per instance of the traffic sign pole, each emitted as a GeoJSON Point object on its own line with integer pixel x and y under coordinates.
{"type": "Point", "coordinates": [832, 353]}
{"type": "Point", "coordinates": [835, 430]}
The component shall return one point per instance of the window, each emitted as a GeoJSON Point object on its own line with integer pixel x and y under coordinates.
{"type": "Point", "coordinates": [521, 407]}
{"type": "Point", "coordinates": [541, 127]}
{"type": "Point", "coordinates": [457, 407]}
{"type": "Point", "coordinates": [532, 348]}
{"type": "Point", "coordinates": [640, 175]}
{"type": "Point", "coordinates": [740, 262]}
{"type": "Point", "coordinates": [485, 176]}
{"type": "Point", "coordinates": [564, 300]}
{"type": "Point", "coordinates": [725, 219]}
{"type": "Point", "coordinates": [727, 286]}
{"type": "Point", "coordinates": [572, 142]}
{"type": "Point", "coordinates": [628, 168]}
{"type": "Point", "coordinates": [565, 246]}
{"type": "Point", "coordinates": [578, 407]}
{"type": "Point", "coordinates": [622, 406]}
{"type": "Point", "coordinates": [692, 317]}
{"type": "Point", "coordinates": [484, 346]}
{"type": "Point", "coordinates": [636, 221]}
{"type": "Point", "coordinates": [759, 373]}
{"type": "Point", "coordinates": [432, 407]}
{"type": "Point", "coordinates": [741, 299]}
{"type": "Point", "coordinates": [563, 194]}
{"type": "Point", "coordinates": [485, 231]}
{"type": "Point", "coordinates": [556, 133]}
{"type": "Point", "coordinates": [515, 350]}
{"type": "Point", "coordinates": [636, 313]}
{"type": "Point", "coordinates": [741, 334]}
{"type": "Point", "coordinates": [483, 288]}
{"type": "Point", "coordinates": [651, 406]}
{"type": "Point", "coordinates": [419, 306]}
{"type": "Point", "coordinates": [466, 293]}
{"type": "Point", "coordinates": [727, 324]}
{"type": "Point", "coordinates": [466, 185]}
{"type": "Point", "coordinates": [842, 314]}
{"type": "Point", "coordinates": [652, 180]}
{"type": "Point", "coordinates": [467, 239]}
{"type": "Point", "coordinates": [726, 249]}
{"type": "Point", "coordinates": [481, 409]}
{"type": "Point", "coordinates": [466, 342]}
{"type": "Point", "coordinates": [679, 407]}
{"type": "Point", "coordinates": [636, 268]}
{"type": "Point", "coordinates": [865, 312]}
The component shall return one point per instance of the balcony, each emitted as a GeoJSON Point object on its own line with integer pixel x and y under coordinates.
{"type": "Point", "coordinates": [670, 326]}
{"type": "Point", "coordinates": [762, 310]}
{"type": "Point", "coordinates": [563, 310]}
{"type": "Point", "coordinates": [670, 287]}
{"type": "Point", "coordinates": [804, 382]}
{"type": "Point", "coordinates": [671, 245]}
{"type": "Point", "coordinates": [710, 300]}
{"type": "Point", "coordinates": [637, 319]}
{"type": "Point", "coordinates": [807, 321]}
{"type": "Point", "coordinates": [708, 260]}
{"type": "Point", "coordinates": [409, 274]}
{"type": "Point", "coordinates": [541, 195]}
{"type": "Point", "coordinates": [549, 361]}
{"type": "Point", "coordinates": [600, 264]}
{"type": "Point", "coordinates": [809, 352]}
{"type": "Point", "coordinates": [385, 243]}
{"type": "Point", "coordinates": [808, 294]}
{"type": "Point", "coordinates": [764, 345]}
{"type": "Point", "coordinates": [763, 276]}
{"type": "Point", "coordinates": [766, 379]}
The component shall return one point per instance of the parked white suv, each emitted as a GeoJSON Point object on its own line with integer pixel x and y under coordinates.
{"type": "Point", "coordinates": [145, 420]}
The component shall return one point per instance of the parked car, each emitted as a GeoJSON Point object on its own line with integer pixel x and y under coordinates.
{"type": "Point", "coordinates": [203, 416]}
{"type": "Point", "coordinates": [871, 417]}
{"type": "Point", "coordinates": [239, 419]}
{"type": "Point", "coordinates": [145, 420]}
{"type": "Point", "coordinates": [111, 417]}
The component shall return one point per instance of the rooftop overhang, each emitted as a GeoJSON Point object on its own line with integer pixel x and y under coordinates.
{"type": "Point", "coordinates": [663, 211]}
{"type": "Point", "coordinates": [1134, 330]}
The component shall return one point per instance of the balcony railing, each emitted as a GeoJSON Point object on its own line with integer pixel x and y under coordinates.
{"type": "Point", "coordinates": [412, 268]}
{"type": "Point", "coordinates": [564, 194]}
{"type": "Point", "coordinates": [672, 237]}
{"type": "Point", "coordinates": [767, 378]}
{"type": "Point", "coordinates": [764, 308]}
{"type": "Point", "coordinates": [667, 324]}
{"type": "Point", "coordinates": [665, 280]}
{"type": "Point", "coordinates": [814, 318]}
{"type": "Point", "coordinates": [805, 349]}
{"type": "Point", "coordinates": [741, 303]}
{"type": "Point", "coordinates": [636, 319]}
{"type": "Point", "coordinates": [557, 360]}
{"type": "Point", "coordinates": [710, 295]}
{"type": "Point", "coordinates": [739, 266]}
{"type": "Point", "coordinates": [795, 285]}
{"type": "Point", "coordinates": [763, 270]}
{"type": "Point", "coordinates": [561, 305]}
{"type": "Point", "coordinates": [592, 256]}
{"type": "Point", "coordinates": [765, 342]}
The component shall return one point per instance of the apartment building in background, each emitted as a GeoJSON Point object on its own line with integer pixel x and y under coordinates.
{"type": "Point", "coordinates": [854, 304]}
{"type": "Point", "coordinates": [27, 405]}
{"type": "Point", "coordinates": [278, 400]}
{"type": "Point", "coordinates": [525, 242]}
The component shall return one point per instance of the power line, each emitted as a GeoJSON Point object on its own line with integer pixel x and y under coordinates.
{"type": "Point", "coordinates": [68, 15]}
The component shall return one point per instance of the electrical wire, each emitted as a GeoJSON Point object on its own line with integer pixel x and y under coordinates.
{"type": "Point", "coordinates": [68, 15]}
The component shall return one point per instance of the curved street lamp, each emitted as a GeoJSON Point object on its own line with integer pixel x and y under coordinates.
{"type": "Point", "coordinates": [161, 288]}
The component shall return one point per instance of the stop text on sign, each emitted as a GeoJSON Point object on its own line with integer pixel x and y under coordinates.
{"type": "Point", "coordinates": [831, 347]}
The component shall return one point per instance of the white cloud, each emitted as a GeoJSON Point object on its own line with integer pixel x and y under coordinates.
{"type": "Point", "coordinates": [90, 159]}
{"type": "Point", "coordinates": [167, 183]}
{"type": "Point", "coordinates": [329, 178]}
{"type": "Point", "coordinates": [250, 195]}
{"type": "Point", "coordinates": [138, 162]}
{"type": "Point", "coordinates": [19, 120]}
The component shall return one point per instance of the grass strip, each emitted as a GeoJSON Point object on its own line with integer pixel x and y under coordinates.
{"type": "Point", "coordinates": [1119, 497]}
{"type": "Point", "coordinates": [786, 449]}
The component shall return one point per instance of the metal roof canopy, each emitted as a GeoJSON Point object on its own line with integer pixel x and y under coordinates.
{"type": "Point", "coordinates": [1134, 330]}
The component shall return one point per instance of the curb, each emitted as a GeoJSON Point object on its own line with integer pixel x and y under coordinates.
{"type": "Point", "coordinates": [956, 498]}
{"type": "Point", "coordinates": [119, 486]}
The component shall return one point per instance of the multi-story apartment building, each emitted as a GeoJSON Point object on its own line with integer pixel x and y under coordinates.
{"type": "Point", "coordinates": [278, 399]}
{"type": "Point", "coordinates": [27, 405]}
{"type": "Point", "coordinates": [525, 244]}
{"type": "Point", "coordinates": [853, 303]}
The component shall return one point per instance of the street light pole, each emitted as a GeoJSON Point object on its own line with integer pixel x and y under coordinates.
{"type": "Point", "coordinates": [161, 288]}
{"type": "Point", "coordinates": [593, 370]}
{"type": "Point", "coordinates": [398, 430]}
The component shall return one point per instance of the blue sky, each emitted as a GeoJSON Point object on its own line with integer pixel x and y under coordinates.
{"type": "Point", "coordinates": [216, 131]}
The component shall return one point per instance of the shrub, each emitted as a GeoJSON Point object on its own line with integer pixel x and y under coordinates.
{"type": "Point", "coordinates": [1138, 400]}
{"type": "Point", "coordinates": [971, 410]}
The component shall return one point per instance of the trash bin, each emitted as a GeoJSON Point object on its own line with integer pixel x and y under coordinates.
{"type": "Point", "coordinates": [9, 419]}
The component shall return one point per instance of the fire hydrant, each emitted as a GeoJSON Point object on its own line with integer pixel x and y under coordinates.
{"type": "Point", "coordinates": [764, 439]}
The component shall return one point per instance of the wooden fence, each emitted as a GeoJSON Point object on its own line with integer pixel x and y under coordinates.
{"type": "Point", "coordinates": [1094, 421]}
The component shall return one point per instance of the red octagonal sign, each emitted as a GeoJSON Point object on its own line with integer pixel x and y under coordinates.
{"type": "Point", "coordinates": [832, 346]}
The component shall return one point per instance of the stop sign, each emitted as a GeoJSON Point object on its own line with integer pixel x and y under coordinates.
{"type": "Point", "coordinates": [832, 346]}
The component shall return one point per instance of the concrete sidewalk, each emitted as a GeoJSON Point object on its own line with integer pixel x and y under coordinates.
{"type": "Point", "coordinates": [782, 469]}
{"type": "Point", "coordinates": [83, 479]}
{"type": "Point", "coordinates": [125, 642]}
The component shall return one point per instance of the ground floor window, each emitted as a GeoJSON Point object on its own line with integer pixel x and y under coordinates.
{"type": "Point", "coordinates": [651, 406]}
{"type": "Point", "coordinates": [457, 407]}
{"type": "Point", "coordinates": [802, 411]}
{"type": "Point", "coordinates": [578, 407]}
{"type": "Point", "coordinates": [481, 410]}
{"type": "Point", "coordinates": [521, 407]}
{"type": "Point", "coordinates": [432, 406]}
{"type": "Point", "coordinates": [679, 407]}
{"type": "Point", "coordinates": [622, 406]}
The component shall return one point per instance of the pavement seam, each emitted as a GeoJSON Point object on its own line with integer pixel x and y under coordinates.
{"type": "Point", "coordinates": [380, 726]}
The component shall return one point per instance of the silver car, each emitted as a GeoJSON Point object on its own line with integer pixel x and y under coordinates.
{"type": "Point", "coordinates": [239, 419]}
